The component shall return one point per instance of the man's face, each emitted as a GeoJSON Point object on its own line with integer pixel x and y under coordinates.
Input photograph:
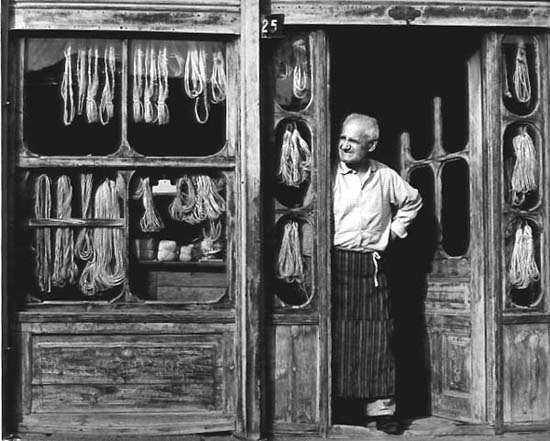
{"type": "Point", "coordinates": [356, 141]}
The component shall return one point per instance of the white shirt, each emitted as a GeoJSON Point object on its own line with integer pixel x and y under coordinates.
{"type": "Point", "coordinates": [367, 208]}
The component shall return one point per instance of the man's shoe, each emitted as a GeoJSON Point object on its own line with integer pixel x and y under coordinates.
{"type": "Point", "coordinates": [389, 424]}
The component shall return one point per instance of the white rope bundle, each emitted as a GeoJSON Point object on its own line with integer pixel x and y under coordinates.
{"type": "Point", "coordinates": [522, 84]}
{"type": "Point", "coordinates": [151, 221]}
{"type": "Point", "coordinates": [151, 80]}
{"type": "Point", "coordinates": [218, 80]}
{"type": "Point", "coordinates": [106, 106]}
{"type": "Point", "coordinates": [65, 269]}
{"type": "Point", "coordinates": [289, 262]}
{"type": "Point", "coordinates": [162, 107]}
{"type": "Point", "coordinates": [67, 89]}
{"type": "Point", "coordinates": [137, 87]}
{"type": "Point", "coordinates": [105, 269]}
{"type": "Point", "coordinates": [300, 72]}
{"type": "Point", "coordinates": [92, 113]}
{"type": "Point", "coordinates": [195, 81]}
{"type": "Point", "coordinates": [83, 246]}
{"type": "Point", "coordinates": [202, 200]}
{"type": "Point", "coordinates": [82, 80]}
{"type": "Point", "coordinates": [43, 253]}
{"type": "Point", "coordinates": [208, 244]}
{"type": "Point", "coordinates": [524, 175]}
{"type": "Point", "coordinates": [295, 161]}
{"type": "Point", "coordinates": [523, 267]}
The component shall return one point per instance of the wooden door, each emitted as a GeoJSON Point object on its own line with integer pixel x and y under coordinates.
{"type": "Point", "coordinates": [448, 237]}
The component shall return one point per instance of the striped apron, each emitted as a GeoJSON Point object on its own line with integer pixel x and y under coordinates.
{"type": "Point", "coordinates": [362, 357]}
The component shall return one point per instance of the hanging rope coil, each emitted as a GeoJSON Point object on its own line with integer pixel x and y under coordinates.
{"type": "Point", "coordinates": [183, 202]}
{"type": "Point", "coordinates": [67, 89]}
{"type": "Point", "coordinates": [65, 269]}
{"type": "Point", "coordinates": [522, 84]}
{"type": "Point", "coordinates": [290, 266]}
{"type": "Point", "coordinates": [523, 267]}
{"type": "Point", "coordinates": [106, 106]}
{"type": "Point", "coordinates": [300, 71]}
{"type": "Point", "coordinates": [218, 80]}
{"type": "Point", "coordinates": [524, 174]}
{"type": "Point", "coordinates": [137, 86]}
{"type": "Point", "coordinates": [151, 221]}
{"type": "Point", "coordinates": [82, 80]}
{"type": "Point", "coordinates": [83, 246]}
{"type": "Point", "coordinates": [194, 82]}
{"type": "Point", "coordinates": [209, 245]}
{"type": "Point", "coordinates": [151, 81]}
{"type": "Point", "coordinates": [295, 161]}
{"type": "Point", "coordinates": [92, 113]}
{"type": "Point", "coordinates": [106, 269]}
{"type": "Point", "coordinates": [162, 107]}
{"type": "Point", "coordinates": [43, 254]}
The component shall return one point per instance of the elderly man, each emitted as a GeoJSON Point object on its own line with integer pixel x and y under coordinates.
{"type": "Point", "coordinates": [373, 205]}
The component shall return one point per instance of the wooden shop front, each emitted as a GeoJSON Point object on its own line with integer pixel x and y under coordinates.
{"type": "Point", "coordinates": [148, 213]}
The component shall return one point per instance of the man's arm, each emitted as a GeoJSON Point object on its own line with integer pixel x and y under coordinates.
{"type": "Point", "coordinates": [408, 202]}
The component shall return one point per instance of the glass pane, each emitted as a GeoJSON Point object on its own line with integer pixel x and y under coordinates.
{"type": "Point", "coordinates": [521, 156]}
{"type": "Point", "coordinates": [177, 97]}
{"type": "Point", "coordinates": [454, 105]}
{"type": "Point", "coordinates": [292, 71]}
{"type": "Point", "coordinates": [293, 261]}
{"type": "Point", "coordinates": [455, 208]}
{"type": "Point", "coordinates": [520, 63]}
{"type": "Point", "coordinates": [178, 235]}
{"type": "Point", "coordinates": [72, 93]}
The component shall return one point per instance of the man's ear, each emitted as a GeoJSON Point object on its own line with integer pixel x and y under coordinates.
{"type": "Point", "coordinates": [373, 146]}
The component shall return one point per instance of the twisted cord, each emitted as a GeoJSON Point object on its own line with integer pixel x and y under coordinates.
{"type": "Point", "coordinates": [67, 89]}
{"type": "Point", "coordinates": [43, 254]}
{"type": "Point", "coordinates": [82, 79]}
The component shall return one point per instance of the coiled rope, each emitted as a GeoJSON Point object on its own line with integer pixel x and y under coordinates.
{"type": "Point", "coordinates": [218, 80]}
{"type": "Point", "coordinates": [290, 266]}
{"type": "Point", "coordinates": [300, 71]}
{"type": "Point", "coordinates": [82, 80]}
{"type": "Point", "coordinates": [522, 84]}
{"type": "Point", "coordinates": [43, 253]}
{"type": "Point", "coordinates": [137, 87]}
{"type": "Point", "coordinates": [295, 161]}
{"type": "Point", "coordinates": [524, 174]}
{"type": "Point", "coordinates": [105, 269]}
{"type": "Point", "coordinates": [208, 244]}
{"type": "Point", "coordinates": [67, 89]}
{"type": "Point", "coordinates": [151, 221]}
{"type": "Point", "coordinates": [523, 267]}
{"type": "Point", "coordinates": [65, 269]}
{"type": "Point", "coordinates": [151, 80]}
{"type": "Point", "coordinates": [183, 203]}
{"type": "Point", "coordinates": [162, 107]}
{"type": "Point", "coordinates": [92, 113]}
{"type": "Point", "coordinates": [106, 106]}
{"type": "Point", "coordinates": [83, 246]}
{"type": "Point", "coordinates": [195, 81]}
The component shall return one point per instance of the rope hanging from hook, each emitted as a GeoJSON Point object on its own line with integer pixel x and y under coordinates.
{"type": "Point", "coordinates": [218, 79]}
{"type": "Point", "coordinates": [65, 269]}
{"type": "Point", "coordinates": [523, 267]}
{"type": "Point", "coordinates": [92, 113]}
{"type": "Point", "coordinates": [43, 253]}
{"type": "Point", "coordinates": [295, 161]}
{"type": "Point", "coordinates": [67, 89]}
{"type": "Point", "coordinates": [524, 174]}
{"type": "Point", "coordinates": [106, 106]}
{"type": "Point", "coordinates": [82, 79]}
{"type": "Point", "coordinates": [289, 262]}
{"type": "Point", "coordinates": [151, 222]}
{"type": "Point", "coordinates": [83, 246]}
{"type": "Point", "coordinates": [522, 84]}
{"type": "Point", "coordinates": [300, 71]}
{"type": "Point", "coordinates": [137, 85]}
{"type": "Point", "coordinates": [151, 81]}
{"type": "Point", "coordinates": [163, 111]}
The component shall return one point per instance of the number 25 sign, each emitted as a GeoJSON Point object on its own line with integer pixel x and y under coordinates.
{"type": "Point", "coordinates": [272, 25]}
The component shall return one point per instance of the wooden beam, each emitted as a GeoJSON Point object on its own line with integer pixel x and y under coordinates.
{"type": "Point", "coordinates": [250, 408]}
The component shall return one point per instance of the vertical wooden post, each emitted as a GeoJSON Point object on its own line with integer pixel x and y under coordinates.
{"type": "Point", "coordinates": [251, 299]}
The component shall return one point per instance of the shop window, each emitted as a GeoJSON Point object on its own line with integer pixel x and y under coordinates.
{"type": "Point", "coordinates": [455, 207]}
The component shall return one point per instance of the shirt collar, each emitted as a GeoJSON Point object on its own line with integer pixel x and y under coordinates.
{"type": "Point", "coordinates": [344, 169]}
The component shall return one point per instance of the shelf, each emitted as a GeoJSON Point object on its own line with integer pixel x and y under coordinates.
{"type": "Point", "coordinates": [217, 162]}
{"type": "Point", "coordinates": [197, 266]}
{"type": "Point", "coordinates": [89, 223]}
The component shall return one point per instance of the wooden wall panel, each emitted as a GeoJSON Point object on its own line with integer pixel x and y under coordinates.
{"type": "Point", "coordinates": [201, 16]}
{"type": "Point", "coordinates": [526, 381]}
{"type": "Point", "coordinates": [293, 376]}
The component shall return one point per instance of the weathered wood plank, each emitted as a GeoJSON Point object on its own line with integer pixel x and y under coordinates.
{"type": "Point", "coordinates": [526, 364]}
{"type": "Point", "coordinates": [446, 13]}
{"type": "Point", "coordinates": [305, 394]}
{"type": "Point", "coordinates": [189, 16]}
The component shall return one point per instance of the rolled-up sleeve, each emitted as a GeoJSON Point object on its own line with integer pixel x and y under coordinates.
{"type": "Point", "coordinates": [407, 201]}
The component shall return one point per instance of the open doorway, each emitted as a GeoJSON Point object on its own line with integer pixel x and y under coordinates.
{"type": "Point", "coordinates": [423, 85]}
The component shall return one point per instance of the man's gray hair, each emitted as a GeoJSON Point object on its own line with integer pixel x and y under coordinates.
{"type": "Point", "coordinates": [370, 123]}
